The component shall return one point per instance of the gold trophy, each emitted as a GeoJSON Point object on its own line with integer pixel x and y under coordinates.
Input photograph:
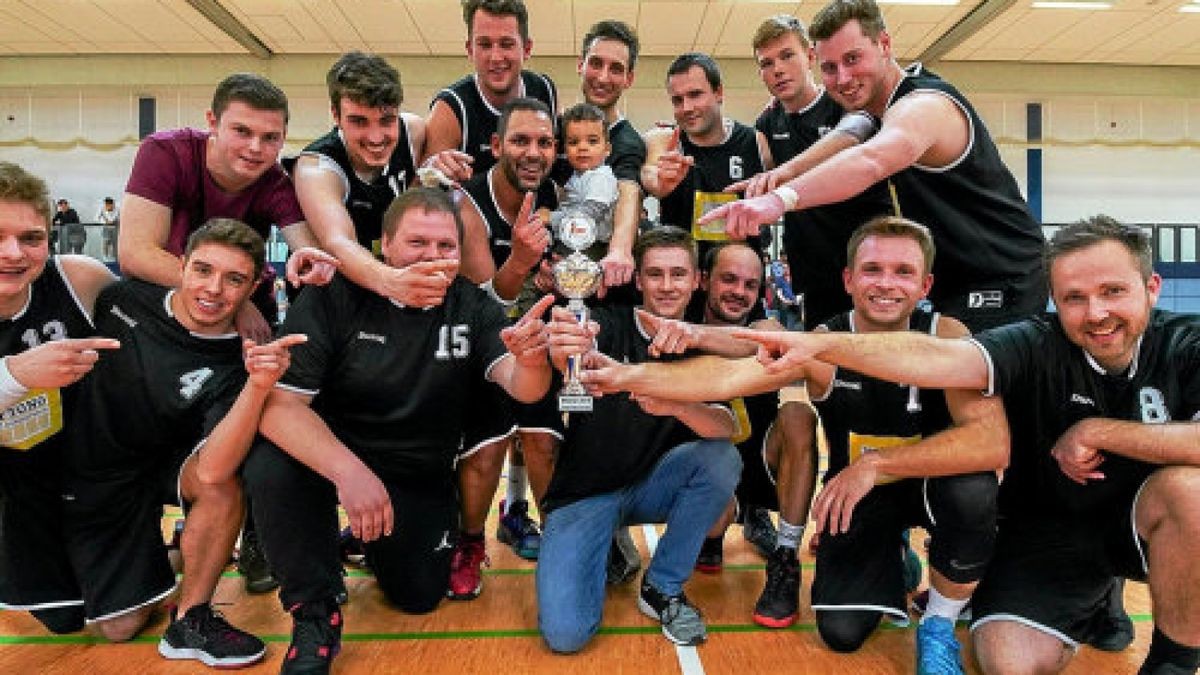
{"type": "Point", "coordinates": [576, 277]}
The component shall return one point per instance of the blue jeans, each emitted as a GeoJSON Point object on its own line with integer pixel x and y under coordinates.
{"type": "Point", "coordinates": [688, 490]}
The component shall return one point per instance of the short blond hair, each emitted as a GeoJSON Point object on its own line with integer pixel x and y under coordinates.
{"type": "Point", "coordinates": [776, 27]}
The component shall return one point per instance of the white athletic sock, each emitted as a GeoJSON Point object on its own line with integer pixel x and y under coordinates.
{"type": "Point", "coordinates": [940, 605]}
{"type": "Point", "coordinates": [789, 535]}
{"type": "Point", "coordinates": [517, 486]}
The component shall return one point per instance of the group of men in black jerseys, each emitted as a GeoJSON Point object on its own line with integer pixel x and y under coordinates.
{"type": "Point", "coordinates": [1045, 454]}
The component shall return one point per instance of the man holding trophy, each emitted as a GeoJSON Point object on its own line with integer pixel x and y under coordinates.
{"type": "Point", "coordinates": [630, 460]}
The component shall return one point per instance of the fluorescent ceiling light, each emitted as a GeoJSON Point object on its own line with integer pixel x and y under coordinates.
{"type": "Point", "coordinates": [927, 3]}
{"type": "Point", "coordinates": [1071, 4]}
{"type": "Point", "coordinates": [1193, 8]}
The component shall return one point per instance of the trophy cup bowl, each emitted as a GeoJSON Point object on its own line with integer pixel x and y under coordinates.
{"type": "Point", "coordinates": [577, 277]}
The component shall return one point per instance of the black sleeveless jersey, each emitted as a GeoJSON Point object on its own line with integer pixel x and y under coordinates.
{"type": "Point", "coordinates": [152, 401]}
{"type": "Point", "coordinates": [478, 119]}
{"type": "Point", "coordinates": [815, 239]}
{"type": "Point", "coordinates": [366, 202]}
{"type": "Point", "coordinates": [479, 190]}
{"type": "Point", "coordinates": [1049, 383]}
{"type": "Point", "coordinates": [983, 229]}
{"type": "Point", "coordinates": [32, 427]}
{"type": "Point", "coordinates": [861, 414]}
{"type": "Point", "coordinates": [715, 168]}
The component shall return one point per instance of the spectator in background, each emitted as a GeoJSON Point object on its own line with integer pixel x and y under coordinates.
{"type": "Point", "coordinates": [67, 222]}
{"type": "Point", "coordinates": [109, 217]}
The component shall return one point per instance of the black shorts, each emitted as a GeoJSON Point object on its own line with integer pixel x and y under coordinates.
{"type": "Point", "coordinates": [1054, 574]}
{"type": "Point", "coordinates": [489, 417]}
{"type": "Point", "coordinates": [115, 541]}
{"type": "Point", "coordinates": [757, 485]}
{"type": "Point", "coordinates": [863, 569]}
{"type": "Point", "coordinates": [35, 569]}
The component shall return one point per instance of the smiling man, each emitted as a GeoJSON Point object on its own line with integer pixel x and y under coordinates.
{"type": "Point", "coordinates": [183, 177]}
{"type": "Point", "coordinates": [346, 179]}
{"type": "Point", "coordinates": [463, 116]}
{"type": "Point", "coordinates": [940, 160]}
{"type": "Point", "coordinates": [371, 416]}
{"type": "Point", "coordinates": [174, 432]}
{"type": "Point", "coordinates": [1102, 400]}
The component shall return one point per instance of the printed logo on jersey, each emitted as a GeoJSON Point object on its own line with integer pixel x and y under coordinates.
{"type": "Point", "coordinates": [1153, 405]}
{"type": "Point", "coordinates": [361, 204]}
{"type": "Point", "coordinates": [31, 420]}
{"type": "Point", "coordinates": [116, 311]}
{"type": "Point", "coordinates": [985, 299]}
{"type": "Point", "coordinates": [780, 136]}
{"type": "Point", "coordinates": [453, 342]}
{"type": "Point", "coordinates": [191, 382]}
{"type": "Point", "coordinates": [1080, 398]}
{"type": "Point", "coordinates": [373, 337]}
{"type": "Point", "coordinates": [742, 429]}
{"type": "Point", "coordinates": [843, 384]}
{"type": "Point", "coordinates": [861, 444]}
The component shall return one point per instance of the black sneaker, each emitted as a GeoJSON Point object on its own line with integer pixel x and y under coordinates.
{"type": "Point", "coordinates": [316, 638]}
{"type": "Point", "coordinates": [1113, 630]}
{"type": "Point", "coordinates": [253, 565]}
{"type": "Point", "coordinates": [681, 622]}
{"type": "Point", "coordinates": [624, 560]}
{"type": "Point", "coordinates": [712, 555]}
{"type": "Point", "coordinates": [203, 634]}
{"type": "Point", "coordinates": [351, 548]}
{"type": "Point", "coordinates": [758, 529]}
{"type": "Point", "coordinates": [780, 599]}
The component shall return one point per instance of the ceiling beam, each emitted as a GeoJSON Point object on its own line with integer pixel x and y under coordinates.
{"type": "Point", "coordinates": [228, 23]}
{"type": "Point", "coordinates": [966, 27]}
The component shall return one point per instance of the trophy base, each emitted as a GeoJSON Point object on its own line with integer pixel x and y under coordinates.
{"type": "Point", "coordinates": [569, 403]}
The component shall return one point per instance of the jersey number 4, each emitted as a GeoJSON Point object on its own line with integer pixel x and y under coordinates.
{"type": "Point", "coordinates": [191, 381]}
{"type": "Point", "coordinates": [452, 343]}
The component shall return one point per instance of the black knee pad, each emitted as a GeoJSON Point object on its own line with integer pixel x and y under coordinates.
{"type": "Point", "coordinates": [412, 600]}
{"type": "Point", "coordinates": [61, 620]}
{"type": "Point", "coordinates": [844, 631]}
{"type": "Point", "coordinates": [964, 532]}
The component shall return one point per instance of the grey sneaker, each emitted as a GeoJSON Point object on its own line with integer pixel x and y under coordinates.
{"type": "Point", "coordinates": [624, 561]}
{"type": "Point", "coordinates": [681, 622]}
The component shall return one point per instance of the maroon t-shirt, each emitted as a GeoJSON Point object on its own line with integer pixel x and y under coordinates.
{"type": "Point", "coordinates": [169, 170]}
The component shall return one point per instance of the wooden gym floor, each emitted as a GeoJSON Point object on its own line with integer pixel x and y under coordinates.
{"type": "Point", "coordinates": [497, 633]}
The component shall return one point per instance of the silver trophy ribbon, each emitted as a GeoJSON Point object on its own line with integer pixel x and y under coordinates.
{"type": "Point", "coordinates": [576, 277]}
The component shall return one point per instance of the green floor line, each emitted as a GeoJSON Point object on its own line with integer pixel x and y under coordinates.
{"type": "Point", "coordinates": [529, 571]}
{"type": "Point", "coordinates": [453, 634]}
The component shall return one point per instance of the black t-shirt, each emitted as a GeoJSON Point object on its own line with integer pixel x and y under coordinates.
{"type": "Point", "coordinates": [617, 444]}
{"type": "Point", "coordinates": [988, 243]}
{"type": "Point", "coordinates": [478, 119]}
{"type": "Point", "coordinates": [1049, 383]}
{"type": "Point", "coordinates": [392, 382]}
{"type": "Point", "coordinates": [367, 202]}
{"type": "Point", "coordinates": [33, 426]}
{"type": "Point", "coordinates": [860, 413]}
{"type": "Point", "coordinates": [479, 190]}
{"type": "Point", "coordinates": [815, 239]}
{"type": "Point", "coordinates": [152, 401]}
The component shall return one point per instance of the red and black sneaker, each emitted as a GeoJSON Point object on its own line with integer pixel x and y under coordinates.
{"type": "Point", "coordinates": [780, 599]}
{"type": "Point", "coordinates": [316, 638]}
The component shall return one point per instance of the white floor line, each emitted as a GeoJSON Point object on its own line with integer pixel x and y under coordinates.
{"type": "Point", "coordinates": [689, 658]}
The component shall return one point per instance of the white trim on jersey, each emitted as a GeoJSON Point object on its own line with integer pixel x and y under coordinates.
{"type": "Point", "coordinates": [28, 301]}
{"type": "Point", "coordinates": [487, 226]}
{"type": "Point", "coordinates": [487, 441]}
{"type": "Point", "coordinates": [326, 163]}
{"type": "Point", "coordinates": [970, 133]}
{"type": "Point", "coordinates": [41, 605]}
{"type": "Point", "coordinates": [890, 611]}
{"type": "Point", "coordinates": [62, 274]}
{"type": "Point", "coordinates": [991, 367]}
{"type": "Point", "coordinates": [1041, 628]}
{"type": "Point", "coordinates": [925, 501]}
{"type": "Point", "coordinates": [487, 372]}
{"type": "Point", "coordinates": [412, 151]}
{"type": "Point", "coordinates": [297, 390]}
{"type": "Point", "coordinates": [123, 612]}
{"type": "Point", "coordinates": [1133, 366]}
{"type": "Point", "coordinates": [540, 430]}
{"type": "Point", "coordinates": [462, 109]}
